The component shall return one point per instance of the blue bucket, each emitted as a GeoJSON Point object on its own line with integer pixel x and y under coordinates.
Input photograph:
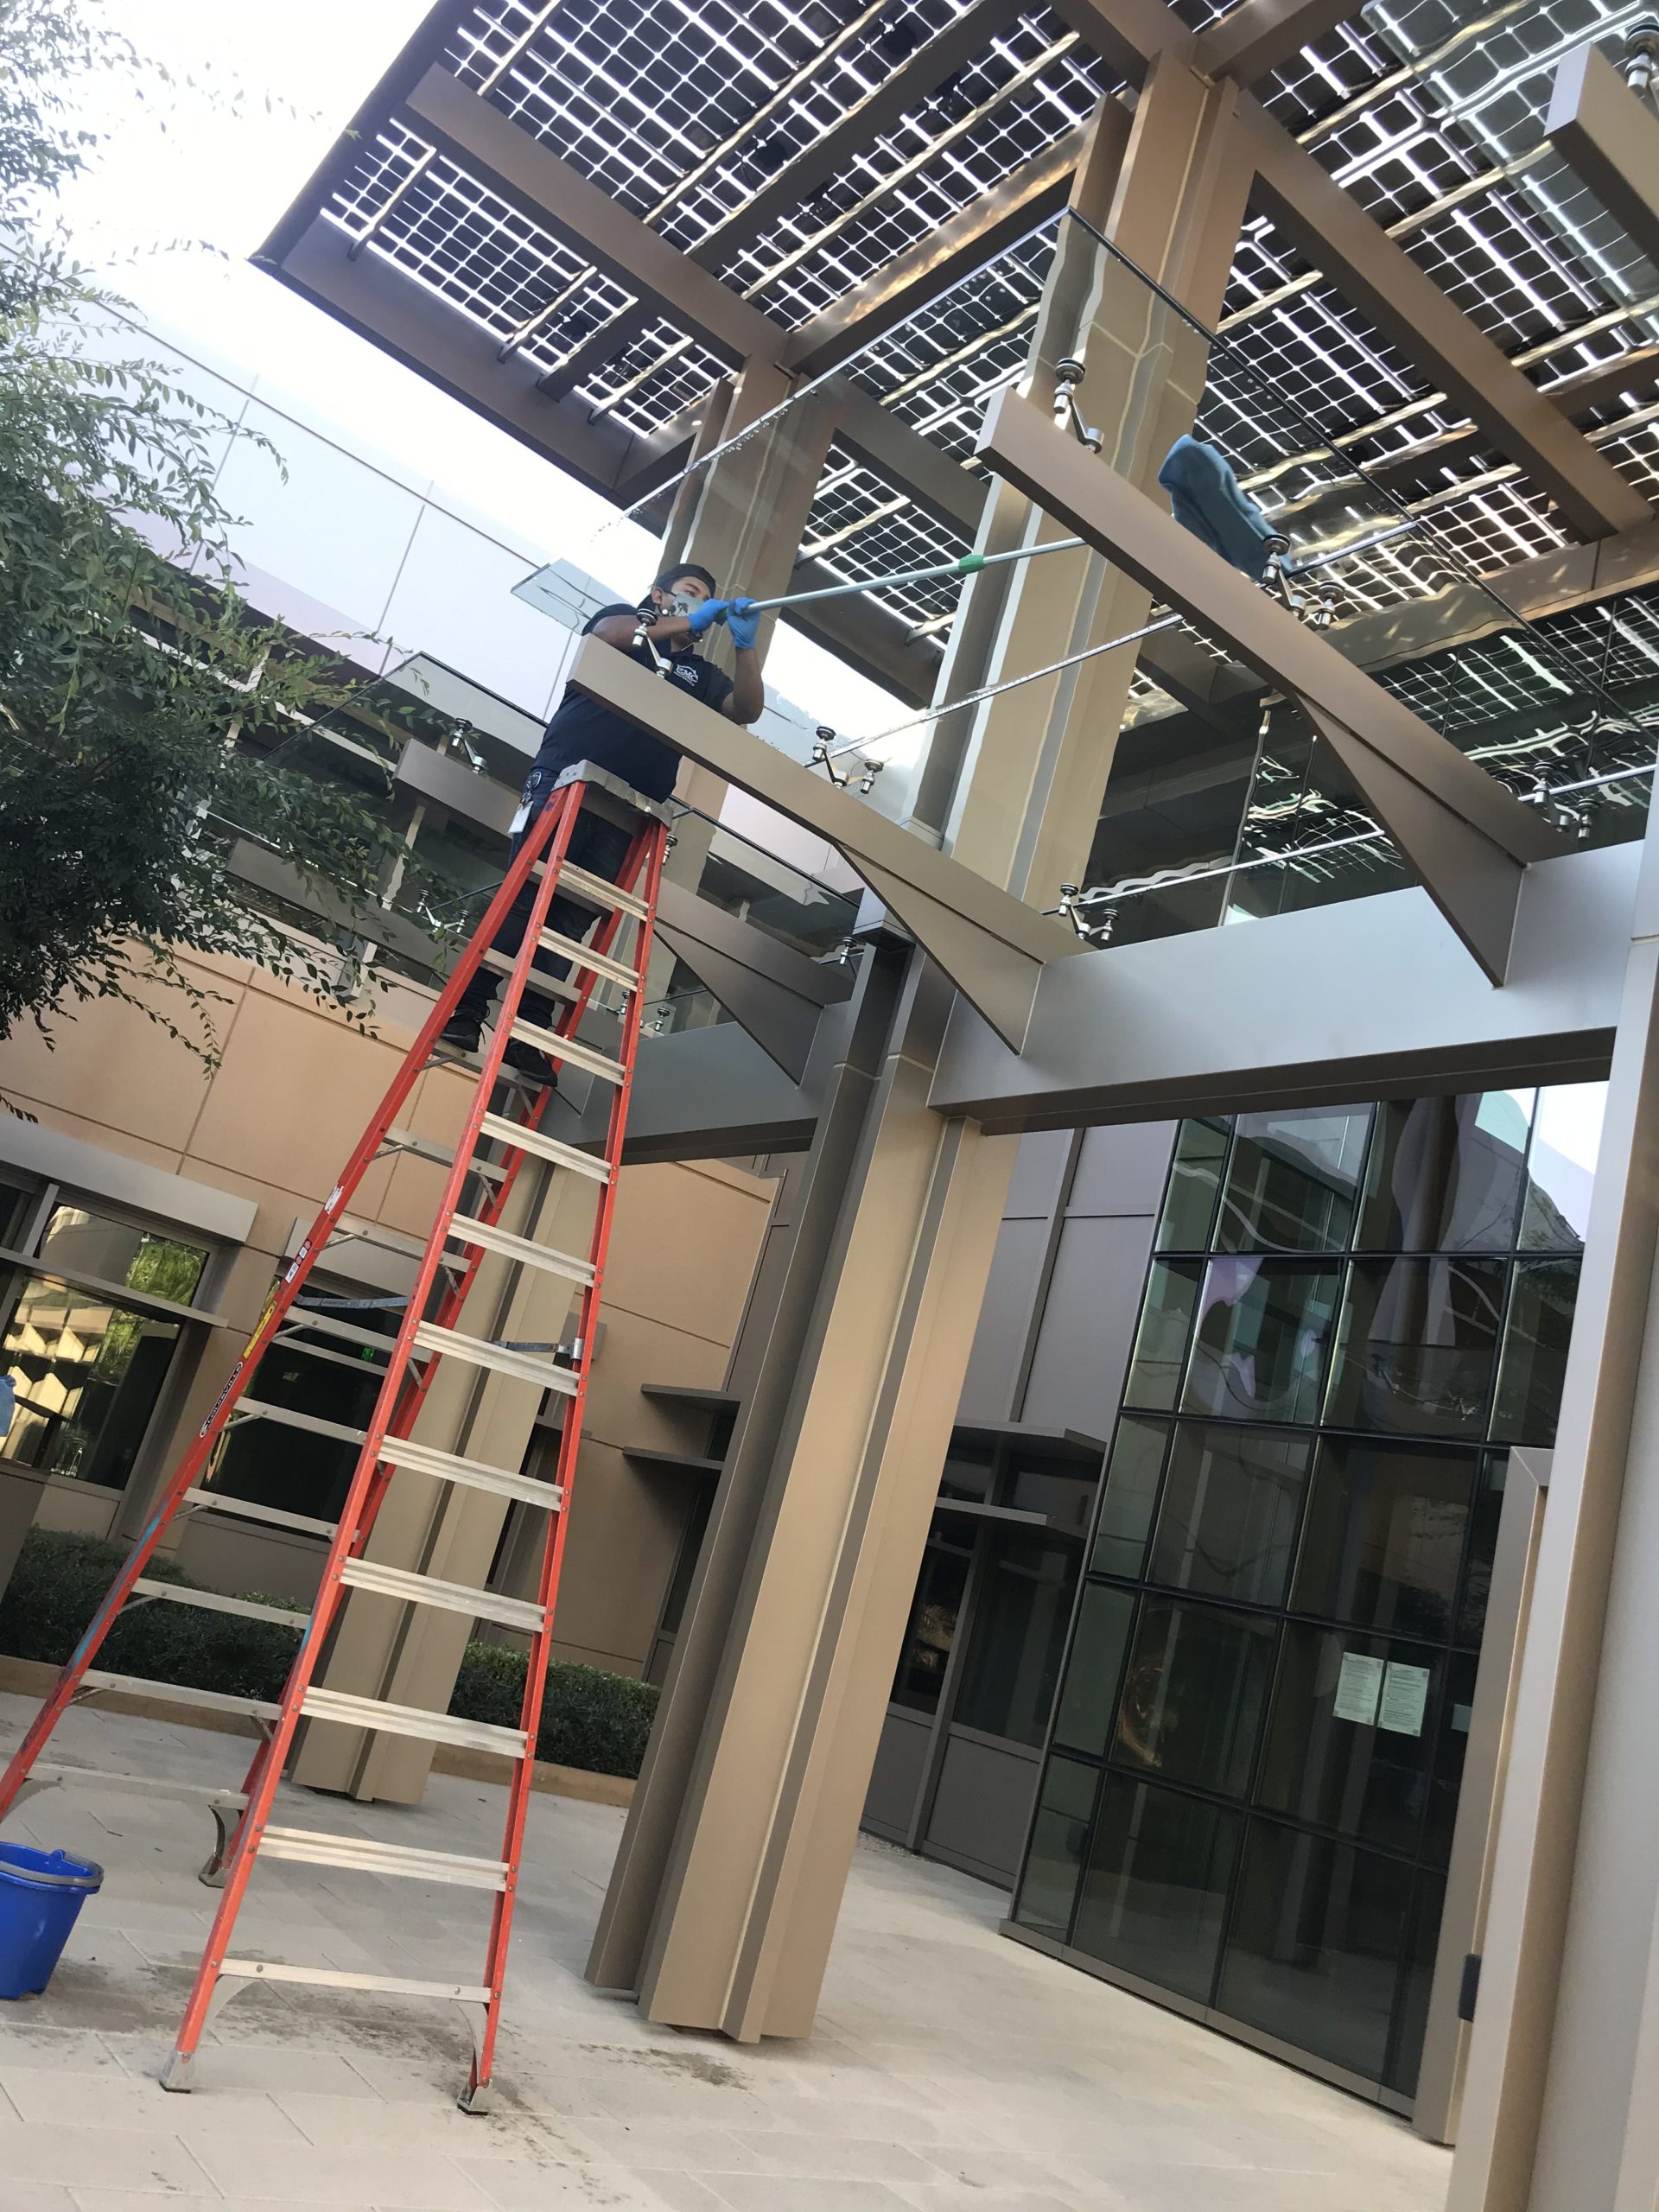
{"type": "Point", "coordinates": [41, 1895]}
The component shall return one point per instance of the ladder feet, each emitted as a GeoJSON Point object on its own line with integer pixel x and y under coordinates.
{"type": "Point", "coordinates": [179, 2073]}
{"type": "Point", "coordinates": [477, 2097]}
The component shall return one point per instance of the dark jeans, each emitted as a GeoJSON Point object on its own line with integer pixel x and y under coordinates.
{"type": "Point", "coordinates": [600, 847]}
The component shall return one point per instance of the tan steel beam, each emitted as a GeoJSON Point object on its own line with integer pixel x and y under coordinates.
{"type": "Point", "coordinates": [1258, 34]}
{"type": "Point", "coordinates": [489, 146]}
{"type": "Point", "coordinates": [374, 298]}
{"type": "Point", "coordinates": [1380, 278]}
{"type": "Point", "coordinates": [992, 945]}
{"type": "Point", "coordinates": [1610, 139]}
{"type": "Point", "coordinates": [981, 231]}
{"type": "Point", "coordinates": [774, 992]}
{"type": "Point", "coordinates": [1437, 802]}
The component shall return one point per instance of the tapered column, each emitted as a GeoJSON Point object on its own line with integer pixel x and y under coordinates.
{"type": "Point", "coordinates": [1559, 2112]}
{"type": "Point", "coordinates": [723, 1902]}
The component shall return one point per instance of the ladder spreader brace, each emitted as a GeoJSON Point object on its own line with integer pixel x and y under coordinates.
{"type": "Point", "coordinates": [444, 1276]}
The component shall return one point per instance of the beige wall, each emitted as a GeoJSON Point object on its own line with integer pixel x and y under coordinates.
{"type": "Point", "coordinates": [273, 1122]}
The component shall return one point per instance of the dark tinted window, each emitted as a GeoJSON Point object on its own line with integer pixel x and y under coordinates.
{"type": "Point", "coordinates": [1417, 1345]}
{"type": "Point", "coordinates": [1445, 1174]}
{"type": "Point", "coordinates": [1156, 1885]}
{"type": "Point", "coordinates": [1263, 1332]}
{"type": "Point", "coordinates": [1194, 1693]}
{"type": "Point", "coordinates": [1383, 1539]}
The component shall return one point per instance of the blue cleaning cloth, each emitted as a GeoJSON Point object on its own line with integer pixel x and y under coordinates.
{"type": "Point", "coordinates": [1205, 495]}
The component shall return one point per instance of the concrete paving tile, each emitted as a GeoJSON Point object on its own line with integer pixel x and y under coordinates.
{"type": "Point", "coordinates": [524, 2185]}
{"type": "Point", "coordinates": [67, 2099]}
{"type": "Point", "coordinates": [650, 2145]}
{"type": "Point", "coordinates": [824, 2156]}
{"type": "Point", "coordinates": [26, 2042]}
{"type": "Point", "coordinates": [414, 2181]}
{"type": "Point", "coordinates": [682, 2192]}
{"type": "Point", "coordinates": [33, 2152]}
{"type": "Point", "coordinates": [761, 2193]}
{"type": "Point", "coordinates": [271, 2069]}
{"type": "Point", "coordinates": [41, 2197]}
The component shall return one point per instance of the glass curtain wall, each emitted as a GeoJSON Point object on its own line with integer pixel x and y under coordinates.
{"type": "Point", "coordinates": [1251, 1780]}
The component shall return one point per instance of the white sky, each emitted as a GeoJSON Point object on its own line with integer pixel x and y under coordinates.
{"type": "Point", "coordinates": [208, 163]}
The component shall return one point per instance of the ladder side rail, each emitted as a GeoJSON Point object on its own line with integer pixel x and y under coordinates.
{"type": "Point", "coordinates": [277, 1307]}
{"type": "Point", "coordinates": [331, 1589]}
{"type": "Point", "coordinates": [647, 857]}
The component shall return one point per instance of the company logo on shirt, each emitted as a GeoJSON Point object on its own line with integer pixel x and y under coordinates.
{"type": "Point", "coordinates": [687, 676]}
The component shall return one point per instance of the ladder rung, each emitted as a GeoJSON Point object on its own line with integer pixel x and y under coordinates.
{"type": "Point", "coordinates": [211, 1601]}
{"type": "Point", "coordinates": [345, 1332]}
{"type": "Point", "coordinates": [544, 986]}
{"type": "Point", "coordinates": [350, 1231]}
{"type": "Point", "coordinates": [595, 889]}
{"type": "Point", "coordinates": [448, 1596]}
{"type": "Point", "coordinates": [151, 1785]}
{"type": "Point", "coordinates": [411, 1720]}
{"type": "Point", "coordinates": [472, 1474]}
{"type": "Point", "coordinates": [286, 1417]}
{"type": "Point", "coordinates": [220, 1502]}
{"type": "Point", "coordinates": [523, 1366]}
{"type": "Point", "coordinates": [404, 1143]}
{"type": "Point", "coordinates": [545, 1148]}
{"type": "Point", "coordinates": [601, 963]}
{"type": "Point", "coordinates": [366, 1855]}
{"type": "Point", "coordinates": [383, 1985]}
{"type": "Point", "coordinates": [463, 1229]}
{"type": "Point", "coordinates": [575, 1055]}
{"type": "Point", "coordinates": [181, 1693]}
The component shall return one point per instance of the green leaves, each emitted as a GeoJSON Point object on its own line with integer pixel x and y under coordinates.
{"type": "Point", "coordinates": [147, 716]}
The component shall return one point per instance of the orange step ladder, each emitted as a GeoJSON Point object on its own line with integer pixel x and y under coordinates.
{"type": "Point", "coordinates": [444, 1276]}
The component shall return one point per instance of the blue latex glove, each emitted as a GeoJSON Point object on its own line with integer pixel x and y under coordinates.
{"type": "Point", "coordinates": [745, 620]}
{"type": "Point", "coordinates": [705, 617]}
{"type": "Point", "coordinates": [1205, 497]}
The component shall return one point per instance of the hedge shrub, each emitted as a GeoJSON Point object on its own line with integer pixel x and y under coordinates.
{"type": "Point", "coordinates": [590, 1718]}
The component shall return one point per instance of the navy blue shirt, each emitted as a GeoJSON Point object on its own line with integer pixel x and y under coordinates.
{"type": "Point", "coordinates": [582, 729]}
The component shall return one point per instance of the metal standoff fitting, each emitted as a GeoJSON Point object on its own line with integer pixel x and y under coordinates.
{"type": "Point", "coordinates": [1642, 59]}
{"type": "Point", "coordinates": [1068, 375]}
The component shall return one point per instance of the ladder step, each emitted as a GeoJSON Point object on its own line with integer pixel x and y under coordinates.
{"type": "Point", "coordinates": [544, 987]}
{"type": "Point", "coordinates": [286, 1417]}
{"type": "Point", "coordinates": [366, 1855]}
{"type": "Point", "coordinates": [545, 1148]}
{"type": "Point", "coordinates": [448, 1596]}
{"type": "Point", "coordinates": [211, 1601]}
{"type": "Point", "coordinates": [149, 1785]}
{"type": "Point", "coordinates": [463, 1229]}
{"type": "Point", "coordinates": [596, 890]}
{"type": "Point", "coordinates": [383, 1985]}
{"type": "Point", "coordinates": [350, 1712]}
{"type": "Point", "coordinates": [568, 1049]}
{"type": "Point", "coordinates": [350, 1231]}
{"type": "Point", "coordinates": [600, 964]}
{"type": "Point", "coordinates": [472, 1474]}
{"type": "Point", "coordinates": [404, 1142]}
{"type": "Point", "coordinates": [523, 1366]}
{"type": "Point", "coordinates": [217, 1501]}
{"type": "Point", "coordinates": [181, 1693]}
{"type": "Point", "coordinates": [345, 1332]}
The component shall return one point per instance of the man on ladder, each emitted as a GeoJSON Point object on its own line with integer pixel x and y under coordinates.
{"type": "Point", "coordinates": [664, 632]}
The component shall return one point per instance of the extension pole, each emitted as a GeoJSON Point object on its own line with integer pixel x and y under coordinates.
{"type": "Point", "coordinates": [970, 564]}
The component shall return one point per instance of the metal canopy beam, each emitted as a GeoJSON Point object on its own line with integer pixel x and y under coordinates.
{"type": "Point", "coordinates": [1258, 34]}
{"type": "Point", "coordinates": [772, 991]}
{"type": "Point", "coordinates": [997, 219]}
{"type": "Point", "coordinates": [378, 301]}
{"type": "Point", "coordinates": [991, 945]}
{"type": "Point", "coordinates": [1383, 745]}
{"type": "Point", "coordinates": [1380, 278]}
{"type": "Point", "coordinates": [492, 148]}
{"type": "Point", "coordinates": [1610, 139]}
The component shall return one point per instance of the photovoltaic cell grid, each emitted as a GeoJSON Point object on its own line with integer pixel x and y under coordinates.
{"type": "Point", "coordinates": [850, 494]}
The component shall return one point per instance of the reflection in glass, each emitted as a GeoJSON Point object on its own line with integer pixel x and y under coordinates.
{"type": "Point", "coordinates": [1194, 1179]}
{"type": "Point", "coordinates": [1416, 1980]}
{"type": "Point", "coordinates": [1416, 1347]}
{"type": "Point", "coordinates": [1060, 1484]}
{"type": "Point", "coordinates": [295, 1471]}
{"type": "Point", "coordinates": [1264, 1328]}
{"type": "Point", "coordinates": [1018, 1638]}
{"type": "Point", "coordinates": [1452, 1745]}
{"type": "Point", "coordinates": [1351, 1742]}
{"type": "Point", "coordinates": [1383, 1537]}
{"type": "Point", "coordinates": [1292, 1181]}
{"type": "Point", "coordinates": [1561, 1168]}
{"type": "Point", "coordinates": [1194, 1693]}
{"type": "Point", "coordinates": [1048, 1888]}
{"type": "Point", "coordinates": [1317, 1933]}
{"type": "Point", "coordinates": [86, 1374]}
{"type": "Point", "coordinates": [115, 1251]}
{"type": "Point", "coordinates": [1156, 1885]}
{"type": "Point", "coordinates": [1445, 1174]}
{"type": "Point", "coordinates": [1227, 1526]}
{"type": "Point", "coordinates": [1160, 1340]}
{"type": "Point", "coordinates": [1132, 1474]}
{"type": "Point", "coordinates": [1536, 1340]}
{"type": "Point", "coordinates": [1088, 1700]}
{"type": "Point", "coordinates": [932, 1619]}
{"type": "Point", "coordinates": [1483, 1547]}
